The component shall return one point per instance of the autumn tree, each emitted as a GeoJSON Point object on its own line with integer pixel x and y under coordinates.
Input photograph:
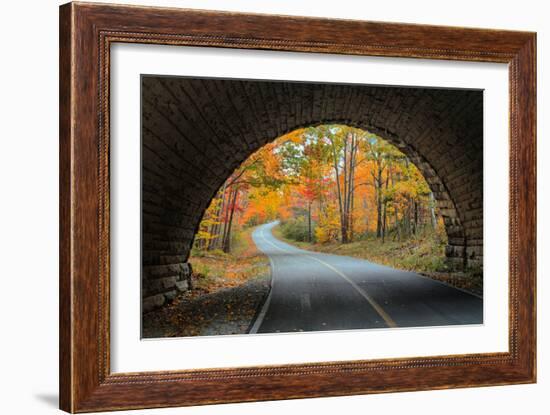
{"type": "Point", "coordinates": [304, 160]}
{"type": "Point", "coordinates": [343, 144]}
{"type": "Point", "coordinates": [342, 181]}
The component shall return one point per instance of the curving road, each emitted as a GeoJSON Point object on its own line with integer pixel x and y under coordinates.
{"type": "Point", "coordinates": [312, 291]}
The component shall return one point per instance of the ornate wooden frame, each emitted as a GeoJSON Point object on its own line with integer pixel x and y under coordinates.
{"type": "Point", "coordinates": [86, 33]}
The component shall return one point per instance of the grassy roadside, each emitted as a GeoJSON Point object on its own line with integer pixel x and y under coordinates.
{"type": "Point", "coordinates": [228, 289]}
{"type": "Point", "coordinates": [214, 270]}
{"type": "Point", "coordinates": [424, 255]}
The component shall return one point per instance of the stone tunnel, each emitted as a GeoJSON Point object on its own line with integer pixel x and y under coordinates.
{"type": "Point", "coordinates": [195, 132]}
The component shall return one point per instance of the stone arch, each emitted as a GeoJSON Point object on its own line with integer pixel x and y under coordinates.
{"type": "Point", "coordinates": [195, 132]}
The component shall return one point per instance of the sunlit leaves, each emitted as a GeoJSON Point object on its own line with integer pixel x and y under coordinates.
{"type": "Point", "coordinates": [340, 179]}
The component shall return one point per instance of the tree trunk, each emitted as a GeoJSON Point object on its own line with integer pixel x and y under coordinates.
{"type": "Point", "coordinates": [227, 238]}
{"type": "Point", "coordinates": [385, 205]}
{"type": "Point", "coordinates": [378, 186]}
{"type": "Point", "coordinates": [338, 187]}
{"type": "Point", "coordinates": [310, 239]}
{"type": "Point", "coordinates": [344, 214]}
{"type": "Point", "coordinates": [225, 214]}
{"type": "Point", "coordinates": [352, 205]}
{"type": "Point", "coordinates": [216, 227]}
{"type": "Point", "coordinates": [365, 206]}
{"type": "Point", "coordinates": [397, 224]}
{"type": "Point", "coordinates": [351, 185]}
{"type": "Point", "coordinates": [384, 219]}
{"type": "Point", "coordinates": [415, 218]}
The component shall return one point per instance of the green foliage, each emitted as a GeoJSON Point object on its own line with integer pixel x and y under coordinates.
{"type": "Point", "coordinates": [238, 243]}
{"type": "Point", "coordinates": [295, 229]}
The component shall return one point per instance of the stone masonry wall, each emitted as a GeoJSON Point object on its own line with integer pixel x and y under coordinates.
{"type": "Point", "coordinates": [196, 132]}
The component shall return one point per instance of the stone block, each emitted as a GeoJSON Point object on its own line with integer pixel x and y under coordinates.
{"type": "Point", "coordinates": [152, 302]}
{"type": "Point", "coordinates": [170, 295]}
{"type": "Point", "coordinates": [182, 286]}
{"type": "Point", "coordinates": [160, 271]}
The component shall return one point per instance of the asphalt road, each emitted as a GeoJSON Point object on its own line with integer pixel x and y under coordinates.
{"type": "Point", "coordinates": [313, 291]}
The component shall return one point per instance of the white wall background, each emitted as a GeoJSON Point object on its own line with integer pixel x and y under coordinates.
{"type": "Point", "coordinates": [29, 205]}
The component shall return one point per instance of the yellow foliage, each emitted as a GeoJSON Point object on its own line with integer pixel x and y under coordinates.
{"type": "Point", "coordinates": [328, 225]}
{"type": "Point", "coordinates": [304, 183]}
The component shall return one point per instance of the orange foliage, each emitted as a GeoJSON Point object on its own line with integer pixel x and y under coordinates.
{"type": "Point", "coordinates": [296, 175]}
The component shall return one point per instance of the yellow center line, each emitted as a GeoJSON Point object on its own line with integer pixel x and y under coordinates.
{"type": "Point", "coordinates": [387, 319]}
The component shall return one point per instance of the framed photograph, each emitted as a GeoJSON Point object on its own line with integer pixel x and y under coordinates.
{"type": "Point", "coordinates": [258, 207]}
